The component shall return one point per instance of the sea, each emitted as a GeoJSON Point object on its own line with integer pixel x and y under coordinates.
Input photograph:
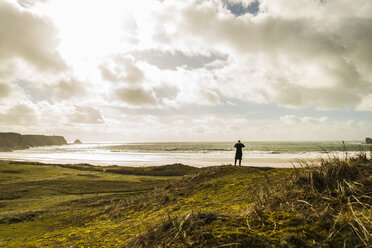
{"type": "Point", "coordinates": [200, 154]}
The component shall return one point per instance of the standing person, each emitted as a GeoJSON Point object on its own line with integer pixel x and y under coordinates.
{"type": "Point", "coordinates": [239, 152]}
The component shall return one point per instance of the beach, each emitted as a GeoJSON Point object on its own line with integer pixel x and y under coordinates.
{"type": "Point", "coordinates": [199, 154]}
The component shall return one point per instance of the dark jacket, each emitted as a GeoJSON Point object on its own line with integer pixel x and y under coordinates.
{"type": "Point", "coordinates": [239, 153]}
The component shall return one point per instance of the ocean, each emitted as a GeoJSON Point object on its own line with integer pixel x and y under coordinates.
{"type": "Point", "coordinates": [276, 154]}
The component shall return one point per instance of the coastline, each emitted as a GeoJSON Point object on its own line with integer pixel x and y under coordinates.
{"type": "Point", "coordinates": [247, 162]}
{"type": "Point", "coordinates": [260, 154]}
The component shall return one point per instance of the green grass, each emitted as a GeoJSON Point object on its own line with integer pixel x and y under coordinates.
{"type": "Point", "coordinates": [178, 206]}
{"type": "Point", "coordinates": [27, 190]}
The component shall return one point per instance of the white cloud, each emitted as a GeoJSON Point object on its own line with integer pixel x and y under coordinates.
{"type": "Point", "coordinates": [366, 104]}
{"type": "Point", "coordinates": [305, 53]}
{"type": "Point", "coordinates": [292, 119]}
{"type": "Point", "coordinates": [28, 37]}
{"type": "Point", "coordinates": [117, 56]}
{"type": "Point", "coordinates": [121, 69]}
{"type": "Point", "coordinates": [12, 95]}
{"type": "Point", "coordinates": [30, 3]}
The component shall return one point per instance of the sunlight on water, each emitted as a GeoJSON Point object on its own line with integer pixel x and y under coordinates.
{"type": "Point", "coordinates": [279, 154]}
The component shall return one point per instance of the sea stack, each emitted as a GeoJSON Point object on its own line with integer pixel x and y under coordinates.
{"type": "Point", "coordinates": [368, 140]}
{"type": "Point", "coordinates": [78, 142]}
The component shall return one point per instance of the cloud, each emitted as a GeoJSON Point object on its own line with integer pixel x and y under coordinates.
{"type": "Point", "coordinates": [86, 115]}
{"type": "Point", "coordinates": [28, 37]}
{"type": "Point", "coordinates": [292, 119]}
{"type": "Point", "coordinates": [172, 60]}
{"type": "Point", "coordinates": [166, 92]}
{"type": "Point", "coordinates": [11, 95]}
{"type": "Point", "coordinates": [209, 97]}
{"type": "Point", "coordinates": [302, 51]}
{"type": "Point", "coordinates": [136, 96]}
{"type": "Point", "coordinates": [246, 67]}
{"type": "Point", "coordinates": [4, 90]}
{"type": "Point", "coordinates": [121, 69]}
{"type": "Point", "coordinates": [30, 3]}
{"type": "Point", "coordinates": [323, 98]}
{"type": "Point", "coordinates": [67, 89]}
{"type": "Point", "coordinates": [22, 114]}
{"type": "Point", "coordinates": [366, 104]}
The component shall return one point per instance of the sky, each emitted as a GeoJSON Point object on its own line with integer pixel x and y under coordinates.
{"type": "Point", "coordinates": [187, 70]}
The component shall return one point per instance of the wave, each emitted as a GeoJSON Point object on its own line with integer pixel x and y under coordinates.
{"type": "Point", "coordinates": [253, 148]}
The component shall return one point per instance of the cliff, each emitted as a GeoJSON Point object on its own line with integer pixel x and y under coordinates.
{"type": "Point", "coordinates": [16, 141]}
{"type": "Point", "coordinates": [368, 140]}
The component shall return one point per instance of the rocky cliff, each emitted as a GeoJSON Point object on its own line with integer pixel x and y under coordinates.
{"type": "Point", "coordinates": [16, 141]}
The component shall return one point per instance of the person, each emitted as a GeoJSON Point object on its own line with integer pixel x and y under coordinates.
{"type": "Point", "coordinates": [239, 152]}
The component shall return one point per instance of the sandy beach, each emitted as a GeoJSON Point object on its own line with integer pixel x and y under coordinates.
{"type": "Point", "coordinates": [263, 154]}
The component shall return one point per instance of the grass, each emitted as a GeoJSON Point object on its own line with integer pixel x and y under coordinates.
{"type": "Point", "coordinates": [323, 205]}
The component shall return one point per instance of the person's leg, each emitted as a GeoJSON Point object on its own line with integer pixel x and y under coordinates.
{"type": "Point", "coordinates": [235, 162]}
{"type": "Point", "coordinates": [240, 162]}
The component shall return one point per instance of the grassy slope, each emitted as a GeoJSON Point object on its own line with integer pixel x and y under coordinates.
{"type": "Point", "coordinates": [84, 206]}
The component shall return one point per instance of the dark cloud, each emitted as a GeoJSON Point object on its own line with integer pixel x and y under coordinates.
{"type": "Point", "coordinates": [321, 98]}
{"type": "Point", "coordinates": [67, 89]}
{"type": "Point", "coordinates": [4, 90]}
{"type": "Point", "coordinates": [28, 37]}
{"type": "Point", "coordinates": [136, 96]}
{"type": "Point", "coordinates": [271, 35]}
{"type": "Point", "coordinates": [21, 114]}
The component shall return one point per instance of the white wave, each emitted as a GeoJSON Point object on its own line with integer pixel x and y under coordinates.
{"type": "Point", "coordinates": [102, 154]}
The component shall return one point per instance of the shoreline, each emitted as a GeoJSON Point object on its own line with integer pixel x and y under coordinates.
{"type": "Point", "coordinates": [248, 162]}
{"type": "Point", "coordinates": [197, 155]}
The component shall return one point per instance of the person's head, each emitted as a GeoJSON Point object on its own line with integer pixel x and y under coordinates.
{"type": "Point", "coordinates": [238, 141]}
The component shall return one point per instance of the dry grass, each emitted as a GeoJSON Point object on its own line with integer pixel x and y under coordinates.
{"type": "Point", "coordinates": [336, 192]}
{"type": "Point", "coordinates": [316, 205]}
{"type": "Point", "coordinates": [312, 205]}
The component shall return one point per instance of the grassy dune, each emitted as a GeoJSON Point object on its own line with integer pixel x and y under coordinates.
{"type": "Point", "coordinates": [179, 206]}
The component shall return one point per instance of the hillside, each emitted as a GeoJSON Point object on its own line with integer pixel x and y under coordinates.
{"type": "Point", "coordinates": [16, 141]}
{"type": "Point", "coordinates": [85, 206]}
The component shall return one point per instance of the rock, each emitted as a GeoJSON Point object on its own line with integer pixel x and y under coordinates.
{"type": "Point", "coordinates": [78, 142]}
{"type": "Point", "coordinates": [368, 140]}
{"type": "Point", "coordinates": [16, 141]}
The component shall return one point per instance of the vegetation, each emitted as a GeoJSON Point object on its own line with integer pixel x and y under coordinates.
{"type": "Point", "coordinates": [324, 205]}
